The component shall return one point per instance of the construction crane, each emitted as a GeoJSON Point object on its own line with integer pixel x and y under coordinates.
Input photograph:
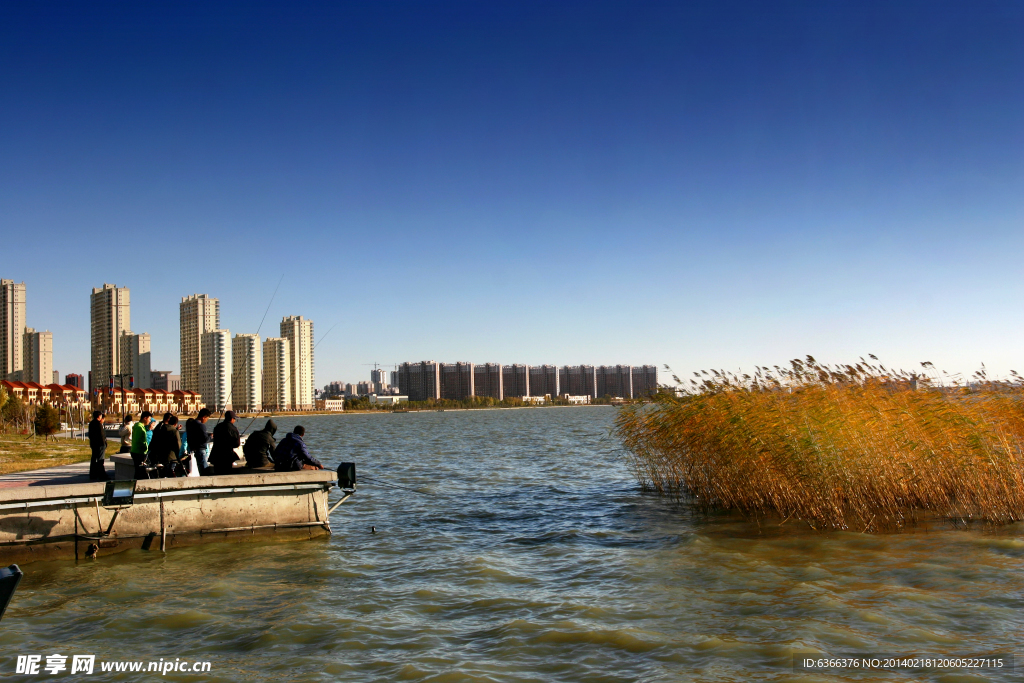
{"type": "Point", "coordinates": [381, 365]}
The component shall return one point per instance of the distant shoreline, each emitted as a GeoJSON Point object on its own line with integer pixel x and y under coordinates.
{"type": "Point", "coordinates": [410, 410]}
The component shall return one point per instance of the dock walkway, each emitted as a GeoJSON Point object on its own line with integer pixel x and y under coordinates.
{"type": "Point", "coordinates": [58, 513]}
{"type": "Point", "coordinates": [76, 473]}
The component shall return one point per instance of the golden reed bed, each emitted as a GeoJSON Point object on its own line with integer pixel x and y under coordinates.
{"type": "Point", "coordinates": [846, 447]}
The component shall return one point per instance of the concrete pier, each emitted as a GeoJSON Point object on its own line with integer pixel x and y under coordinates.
{"type": "Point", "coordinates": [47, 518]}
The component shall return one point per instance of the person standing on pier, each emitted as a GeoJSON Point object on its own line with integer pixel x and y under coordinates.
{"type": "Point", "coordinates": [225, 440]}
{"type": "Point", "coordinates": [199, 439]}
{"type": "Point", "coordinates": [125, 434]}
{"type": "Point", "coordinates": [166, 443]}
{"type": "Point", "coordinates": [140, 443]}
{"type": "Point", "coordinates": [98, 444]}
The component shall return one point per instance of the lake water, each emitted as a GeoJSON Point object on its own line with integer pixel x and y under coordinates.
{"type": "Point", "coordinates": [527, 553]}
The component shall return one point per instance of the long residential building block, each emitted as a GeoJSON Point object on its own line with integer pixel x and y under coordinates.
{"type": "Point", "coordinates": [420, 381]}
{"type": "Point", "coordinates": [487, 381]}
{"type": "Point", "coordinates": [516, 379]}
{"type": "Point", "coordinates": [578, 380]}
{"type": "Point", "coordinates": [457, 381]}
{"type": "Point", "coordinates": [544, 381]}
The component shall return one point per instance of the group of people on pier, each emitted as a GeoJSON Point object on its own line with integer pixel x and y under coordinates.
{"type": "Point", "coordinates": [167, 449]}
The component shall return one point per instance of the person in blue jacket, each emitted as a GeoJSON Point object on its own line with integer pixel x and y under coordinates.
{"type": "Point", "coordinates": [291, 455]}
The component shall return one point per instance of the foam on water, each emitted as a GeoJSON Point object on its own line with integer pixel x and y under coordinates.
{"type": "Point", "coordinates": [534, 557]}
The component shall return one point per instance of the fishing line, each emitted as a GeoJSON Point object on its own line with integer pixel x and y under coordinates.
{"type": "Point", "coordinates": [257, 333]}
{"type": "Point", "coordinates": [325, 336]}
{"type": "Point", "coordinates": [249, 350]}
{"type": "Point", "coordinates": [396, 486]}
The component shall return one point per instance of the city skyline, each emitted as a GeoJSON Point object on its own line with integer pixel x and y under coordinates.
{"type": "Point", "coordinates": [711, 186]}
{"type": "Point", "coordinates": [122, 359]}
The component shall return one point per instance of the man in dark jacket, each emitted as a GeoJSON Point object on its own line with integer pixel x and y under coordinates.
{"type": "Point", "coordinates": [98, 444]}
{"type": "Point", "coordinates": [199, 439]}
{"type": "Point", "coordinates": [259, 447]}
{"type": "Point", "coordinates": [166, 443]}
{"type": "Point", "coordinates": [291, 455]}
{"type": "Point", "coordinates": [225, 440]}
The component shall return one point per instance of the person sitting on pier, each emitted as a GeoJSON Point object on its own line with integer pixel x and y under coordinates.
{"type": "Point", "coordinates": [259, 447]}
{"type": "Point", "coordinates": [98, 444]}
{"type": "Point", "coordinates": [125, 434]}
{"type": "Point", "coordinates": [291, 455]}
{"type": "Point", "coordinates": [166, 443]}
{"type": "Point", "coordinates": [225, 440]}
{"type": "Point", "coordinates": [140, 443]}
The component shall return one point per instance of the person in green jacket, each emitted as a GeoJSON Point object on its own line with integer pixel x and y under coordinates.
{"type": "Point", "coordinates": [140, 444]}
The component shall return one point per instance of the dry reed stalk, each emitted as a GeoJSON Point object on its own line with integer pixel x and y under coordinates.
{"type": "Point", "coordinates": [848, 447]}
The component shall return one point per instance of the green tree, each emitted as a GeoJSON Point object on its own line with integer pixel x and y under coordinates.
{"type": "Point", "coordinates": [47, 420]}
{"type": "Point", "coordinates": [13, 411]}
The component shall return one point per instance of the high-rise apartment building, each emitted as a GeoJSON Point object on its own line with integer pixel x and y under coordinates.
{"type": "Point", "coordinates": [215, 370]}
{"type": "Point", "coordinates": [37, 365]}
{"type": "Point", "coordinates": [136, 359]}
{"type": "Point", "coordinates": [645, 380]}
{"type": "Point", "coordinates": [457, 381]}
{"type": "Point", "coordinates": [516, 379]}
{"type": "Point", "coordinates": [24, 375]}
{"type": "Point", "coordinates": [487, 381]}
{"type": "Point", "coordinates": [247, 373]}
{"type": "Point", "coordinates": [277, 382]}
{"type": "Point", "coordinates": [420, 381]}
{"type": "Point", "coordinates": [299, 333]}
{"type": "Point", "coordinates": [111, 317]}
{"type": "Point", "coordinates": [379, 380]}
{"type": "Point", "coordinates": [615, 381]}
{"type": "Point", "coordinates": [197, 315]}
{"type": "Point", "coordinates": [12, 328]}
{"type": "Point", "coordinates": [578, 380]}
{"type": "Point", "coordinates": [543, 380]}
{"type": "Point", "coordinates": [75, 380]}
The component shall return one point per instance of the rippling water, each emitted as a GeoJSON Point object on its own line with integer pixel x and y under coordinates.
{"type": "Point", "coordinates": [533, 557]}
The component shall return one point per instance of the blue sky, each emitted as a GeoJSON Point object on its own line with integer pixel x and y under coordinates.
{"type": "Point", "coordinates": [699, 184]}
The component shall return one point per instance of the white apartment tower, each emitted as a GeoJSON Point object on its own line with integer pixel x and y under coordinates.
{"type": "Point", "coordinates": [215, 371]}
{"type": "Point", "coordinates": [379, 380]}
{"type": "Point", "coordinates": [197, 314]}
{"type": "Point", "coordinates": [38, 359]}
{"type": "Point", "coordinates": [136, 360]}
{"type": "Point", "coordinates": [247, 373]}
{"type": "Point", "coordinates": [12, 327]}
{"type": "Point", "coordinates": [299, 333]}
{"type": "Point", "coordinates": [111, 317]}
{"type": "Point", "coordinates": [277, 391]}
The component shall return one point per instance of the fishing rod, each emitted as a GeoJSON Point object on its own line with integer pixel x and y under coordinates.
{"type": "Point", "coordinates": [248, 351]}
